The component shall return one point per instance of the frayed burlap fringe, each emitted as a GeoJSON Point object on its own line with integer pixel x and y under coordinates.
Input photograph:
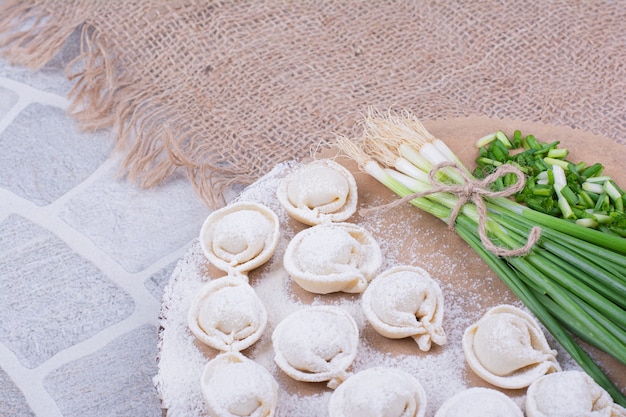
{"type": "Point", "coordinates": [31, 35]}
{"type": "Point", "coordinates": [155, 137]}
{"type": "Point", "coordinates": [225, 90]}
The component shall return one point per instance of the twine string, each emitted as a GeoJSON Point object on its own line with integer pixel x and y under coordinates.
{"type": "Point", "coordinates": [475, 191]}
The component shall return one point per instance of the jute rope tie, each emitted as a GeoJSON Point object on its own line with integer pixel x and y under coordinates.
{"type": "Point", "coordinates": [475, 191]}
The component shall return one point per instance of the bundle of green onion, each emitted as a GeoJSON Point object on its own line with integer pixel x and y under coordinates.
{"type": "Point", "coordinates": [573, 279]}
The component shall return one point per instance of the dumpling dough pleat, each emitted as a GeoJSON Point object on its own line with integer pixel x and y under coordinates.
{"type": "Point", "coordinates": [240, 237]}
{"type": "Point", "coordinates": [319, 192]}
{"type": "Point", "coordinates": [233, 385]}
{"type": "Point", "coordinates": [227, 314]}
{"type": "Point", "coordinates": [479, 402]}
{"type": "Point", "coordinates": [379, 392]}
{"type": "Point", "coordinates": [508, 349]}
{"type": "Point", "coordinates": [333, 257]}
{"type": "Point", "coordinates": [570, 393]}
{"type": "Point", "coordinates": [316, 344]}
{"type": "Point", "coordinates": [405, 301]}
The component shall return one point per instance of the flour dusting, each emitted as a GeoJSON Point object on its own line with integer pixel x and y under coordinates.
{"type": "Point", "coordinates": [442, 371]}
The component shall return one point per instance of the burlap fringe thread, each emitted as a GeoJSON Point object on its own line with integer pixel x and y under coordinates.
{"type": "Point", "coordinates": [104, 96]}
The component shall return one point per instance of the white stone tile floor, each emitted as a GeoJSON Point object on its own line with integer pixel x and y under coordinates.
{"type": "Point", "coordinates": [84, 257]}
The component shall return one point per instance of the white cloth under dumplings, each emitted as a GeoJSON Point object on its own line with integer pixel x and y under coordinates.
{"type": "Point", "coordinates": [321, 191]}
{"type": "Point", "coordinates": [316, 344]}
{"type": "Point", "coordinates": [479, 402]}
{"type": "Point", "coordinates": [567, 394]}
{"type": "Point", "coordinates": [227, 314]}
{"type": "Point", "coordinates": [379, 392]}
{"type": "Point", "coordinates": [235, 386]}
{"type": "Point", "coordinates": [333, 257]}
{"type": "Point", "coordinates": [508, 348]}
{"type": "Point", "coordinates": [405, 301]}
{"type": "Point", "coordinates": [240, 237]}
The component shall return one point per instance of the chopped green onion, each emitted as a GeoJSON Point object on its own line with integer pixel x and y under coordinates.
{"type": "Point", "coordinates": [503, 139]}
{"type": "Point", "coordinates": [585, 197]}
{"type": "Point", "coordinates": [569, 195]}
{"type": "Point", "coordinates": [610, 189]}
{"type": "Point", "coordinates": [531, 142]}
{"type": "Point", "coordinates": [599, 179]}
{"type": "Point", "coordinates": [485, 140]}
{"type": "Point", "coordinates": [587, 222]}
{"type": "Point", "coordinates": [558, 153]}
{"type": "Point", "coordinates": [543, 190]}
{"type": "Point", "coordinates": [592, 171]}
{"type": "Point", "coordinates": [593, 187]}
{"type": "Point", "coordinates": [557, 162]}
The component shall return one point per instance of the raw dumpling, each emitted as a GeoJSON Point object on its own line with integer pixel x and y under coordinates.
{"type": "Point", "coordinates": [333, 257]}
{"type": "Point", "coordinates": [405, 301]}
{"type": "Point", "coordinates": [319, 192]}
{"type": "Point", "coordinates": [240, 237]}
{"type": "Point", "coordinates": [479, 402]}
{"type": "Point", "coordinates": [316, 344]}
{"type": "Point", "coordinates": [227, 314]}
{"type": "Point", "coordinates": [570, 393]}
{"type": "Point", "coordinates": [233, 385]}
{"type": "Point", "coordinates": [508, 349]}
{"type": "Point", "coordinates": [379, 392]}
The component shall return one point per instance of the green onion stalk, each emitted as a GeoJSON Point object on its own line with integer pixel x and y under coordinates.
{"type": "Point", "coordinates": [572, 278]}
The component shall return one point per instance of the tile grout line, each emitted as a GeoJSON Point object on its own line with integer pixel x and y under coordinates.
{"type": "Point", "coordinates": [42, 97]}
{"type": "Point", "coordinates": [131, 283]}
{"type": "Point", "coordinates": [93, 344]}
{"type": "Point", "coordinates": [146, 309]}
{"type": "Point", "coordinates": [30, 384]}
{"type": "Point", "coordinates": [28, 381]}
{"type": "Point", "coordinates": [21, 103]}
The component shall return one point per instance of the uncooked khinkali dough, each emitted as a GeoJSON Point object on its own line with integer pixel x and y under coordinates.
{"type": "Point", "coordinates": [567, 394]}
{"type": "Point", "coordinates": [233, 385]}
{"type": "Point", "coordinates": [240, 237]}
{"type": "Point", "coordinates": [227, 314]}
{"type": "Point", "coordinates": [405, 301]}
{"type": "Point", "coordinates": [479, 402]}
{"type": "Point", "coordinates": [316, 344]}
{"type": "Point", "coordinates": [379, 392]}
{"type": "Point", "coordinates": [319, 192]}
{"type": "Point", "coordinates": [333, 257]}
{"type": "Point", "coordinates": [508, 349]}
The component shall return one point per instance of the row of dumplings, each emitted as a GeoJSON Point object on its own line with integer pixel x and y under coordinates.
{"type": "Point", "coordinates": [559, 394]}
{"type": "Point", "coordinates": [319, 343]}
{"type": "Point", "coordinates": [314, 344]}
{"type": "Point", "coordinates": [228, 315]}
{"type": "Point", "coordinates": [507, 348]}
{"type": "Point", "coordinates": [336, 256]}
{"type": "Point", "coordinates": [236, 386]}
{"type": "Point", "coordinates": [330, 256]}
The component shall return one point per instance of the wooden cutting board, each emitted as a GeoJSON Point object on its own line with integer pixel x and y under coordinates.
{"type": "Point", "coordinates": [406, 236]}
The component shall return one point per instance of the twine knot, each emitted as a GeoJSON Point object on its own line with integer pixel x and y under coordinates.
{"type": "Point", "coordinates": [472, 190]}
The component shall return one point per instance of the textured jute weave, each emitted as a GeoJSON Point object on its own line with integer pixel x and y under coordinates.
{"type": "Point", "coordinates": [224, 90]}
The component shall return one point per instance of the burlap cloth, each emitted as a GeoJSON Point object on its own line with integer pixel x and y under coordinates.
{"type": "Point", "coordinates": [224, 90]}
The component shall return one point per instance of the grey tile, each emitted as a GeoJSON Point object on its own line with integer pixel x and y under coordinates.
{"type": "Point", "coordinates": [7, 99]}
{"type": "Point", "coordinates": [44, 154]}
{"type": "Point", "coordinates": [50, 297]}
{"type": "Point", "coordinates": [157, 281]}
{"type": "Point", "coordinates": [115, 381]}
{"type": "Point", "coordinates": [12, 402]}
{"type": "Point", "coordinates": [136, 227]}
